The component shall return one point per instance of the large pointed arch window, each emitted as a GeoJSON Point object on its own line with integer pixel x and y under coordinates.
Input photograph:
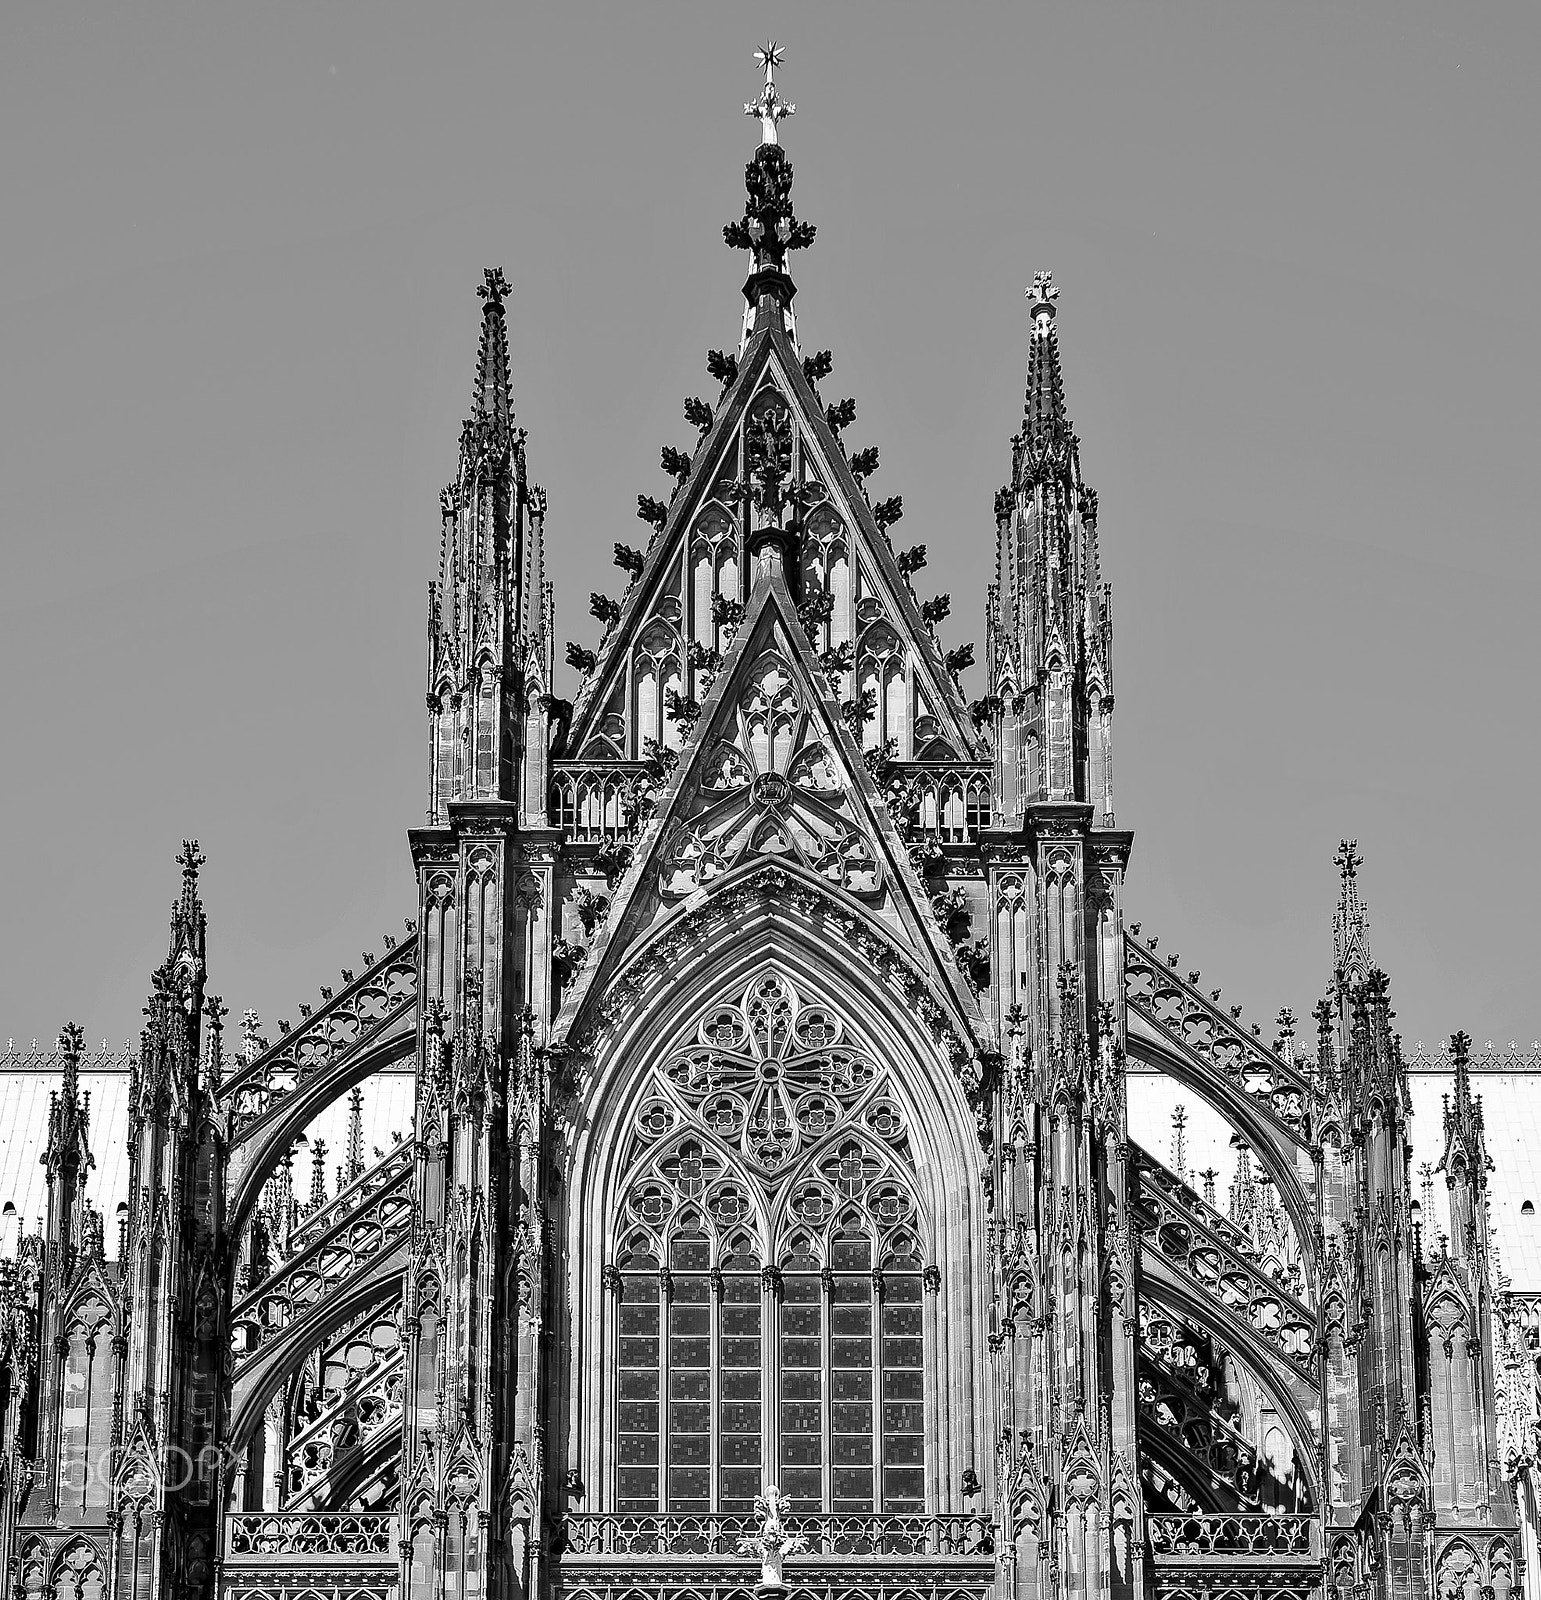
{"type": "Point", "coordinates": [769, 1274]}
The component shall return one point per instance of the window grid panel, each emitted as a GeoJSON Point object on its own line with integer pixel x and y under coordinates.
{"type": "Point", "coordinates": [851, 1373]}
{"type": "Point", "coordinates": [690, 1378]}
{"type": "Point", "coordinates": [903, 1408]}
{"type": "Point", "coordinates": [812, 1370]}
{"type": "Point", "coordinates": [802, 1391]}
{"type": "Point", "coordinates": [739, 1475]}
{"type": "Point", "coordinates": [637, 1437]}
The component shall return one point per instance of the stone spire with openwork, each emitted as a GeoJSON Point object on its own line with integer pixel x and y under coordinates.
{"type": "Point", "coordinates": [1049, 628]}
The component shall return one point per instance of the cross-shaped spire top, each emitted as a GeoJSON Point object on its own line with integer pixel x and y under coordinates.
{"type": "Point", "coordinates": [1348, 858]}
{"type": "Point", "coordinates": [770, 108]}
{"type": "Point", "coordinates": [1041, 292]}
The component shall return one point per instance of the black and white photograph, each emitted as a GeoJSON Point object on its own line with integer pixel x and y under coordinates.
{"type": "Point", "coordinates": [769, 810]}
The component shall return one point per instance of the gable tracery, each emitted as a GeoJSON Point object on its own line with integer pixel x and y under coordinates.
{"type": "Point", "coordinates": [772, 784]}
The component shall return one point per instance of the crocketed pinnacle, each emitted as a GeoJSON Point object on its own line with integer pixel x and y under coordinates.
{"type": "Point", "coordinates": [1351, 919]}
{"type": "Point", "coordinates": [188, 924]}
{"type": "Point", "coordinates": [1047, 440]}
{"type": "Point", "coordinates": [69, 1113]}
{"type": "Point", "coordinates": [1463, 1117]}
{"type": "Point", "coordinates": [492, 403]}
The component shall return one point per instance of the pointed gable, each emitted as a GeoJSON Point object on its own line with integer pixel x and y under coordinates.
{"type": "Point", "coordinates": [697, 575]}
{"type": "Point", "coordinates": [770, 772]}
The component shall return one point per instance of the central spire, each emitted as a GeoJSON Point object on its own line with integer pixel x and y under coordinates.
{"type": "Point", "coordinates": [1047, 437]}
{"type": "Point", "coordinates": [768, 229]}
{"type": "Point", "coordinates": [492, 403]}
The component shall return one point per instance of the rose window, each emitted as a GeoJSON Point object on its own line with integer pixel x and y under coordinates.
{"type": "Point", "coordinates": [769, 1075]}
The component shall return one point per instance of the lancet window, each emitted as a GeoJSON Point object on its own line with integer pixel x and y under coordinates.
{"type": "Point", "coordinates": [769, 1272]}
{"type": "Point", "coordinates": [882, 674]}
{"type": "Point", "coordinates": [88, 1392]}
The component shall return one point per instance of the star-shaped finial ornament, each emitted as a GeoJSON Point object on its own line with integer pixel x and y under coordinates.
{"type": "Point", "coordinates": [1041, 290]}
{"type": "Point", "coordinates": [770, 108]}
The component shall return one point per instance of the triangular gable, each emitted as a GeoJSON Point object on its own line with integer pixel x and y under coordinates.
{"type": "Point", "coordinates": [769, 771]}
{"type": "Point", "coordinates": [700, 552]}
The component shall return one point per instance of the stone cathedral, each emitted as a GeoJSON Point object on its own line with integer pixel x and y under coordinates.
{"type": "Point", "coordinates": [766, 1219]}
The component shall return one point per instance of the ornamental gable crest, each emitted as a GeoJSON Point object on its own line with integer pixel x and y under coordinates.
{"type": "Point", "coordinates": [770, 772]}
{"type": "Point", "coordinates": [768, 455]}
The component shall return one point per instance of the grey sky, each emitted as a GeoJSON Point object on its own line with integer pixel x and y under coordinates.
{"type": "Point", "coordinates": [1296, 248]}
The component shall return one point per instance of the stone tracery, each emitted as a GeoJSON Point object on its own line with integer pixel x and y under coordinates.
{"type": "Point", "coordinates": [771, 1118]}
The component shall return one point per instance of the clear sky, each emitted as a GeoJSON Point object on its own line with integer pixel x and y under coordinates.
{"type": "Point", "coordinates": [1297, 253]}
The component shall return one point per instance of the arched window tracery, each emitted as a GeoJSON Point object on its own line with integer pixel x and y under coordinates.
{"type": "Point", "coordinates": [769, 1271]}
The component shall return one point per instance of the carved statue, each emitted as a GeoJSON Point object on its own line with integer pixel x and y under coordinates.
{"type": "Point", "coordinates": [773, 1543]}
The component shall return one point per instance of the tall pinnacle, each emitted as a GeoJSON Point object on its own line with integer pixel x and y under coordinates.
{"type": "Point", "coordinates": [492, 402]}
{"type": "Point", "coordinates": [1463, 1119]}
{"type": "Point", "coordinates": [69, 1113]}
{"type": "Point", "coordinates": [188, 923]}
{"type": "Point", "coordinates": [1351, 920]}
{"type": "Point", "coordinates": [1047, 437]}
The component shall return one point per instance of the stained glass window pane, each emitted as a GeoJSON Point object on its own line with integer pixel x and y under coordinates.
{"type": "Point", "coordinates": [690, 1376]}
{"type": "Point", "coordinates": [739, 1477]}
{"type": "Point", "coordinates": [637, 1432]}
{"type": "Point", "coordinates": [802, 1390]}
{"type": "Point", "coordinates": [903, 1413]}
{"type": "Point", "coordinates": [850, 1366]}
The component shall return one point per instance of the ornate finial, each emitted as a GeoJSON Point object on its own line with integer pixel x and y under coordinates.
{"type": "Point", "coordinates": [770, 108]}
{"type": "Point", "coordinates": [1042, 293]}
{"type": "Point", "coordinates": [1348, 860]}
{"type": "Point", "coordinates": [494, 285]}
{"type": "Point", "coordinates": [190, 860]}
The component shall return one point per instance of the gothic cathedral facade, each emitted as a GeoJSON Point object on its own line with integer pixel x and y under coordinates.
{"type": "Point", "coordinates": [768, 1218]}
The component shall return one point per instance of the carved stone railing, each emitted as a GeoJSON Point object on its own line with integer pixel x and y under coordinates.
{"type": "Point", "coordinates": [49, 1059]}
{"type": "Point", "coordinates": [386, 1171]}
{"type": "Point", "coordinates": [1176, 1231]}
{"type": "Point", "coordinates": [949, 803]}
{"type": "Point", "coordinates": [1178, 1009]}
{"type": "Point", "coordinates": [1166, 1197]}
{"type": "Point", "coordinates": [350, 1418]}
{"type": "Point", "coordinates": [354, 1238]}
{"type": "Point", "coordinates": [305, 1535]}
{"type": "Point", "coordinates": [357, 1014]}
{"type": "Point", "coordinates": [898, 1534]}
{"type": "Point", "coordinates": [588, 800]}
{"type": "Point", "coordinates": [1266, 1536]}
{"type": "Point", "coordinates": [1511, 1057]}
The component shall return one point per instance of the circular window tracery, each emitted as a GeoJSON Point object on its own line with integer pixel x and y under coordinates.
{"type": "Point", "coordinates": [770, 1117]}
